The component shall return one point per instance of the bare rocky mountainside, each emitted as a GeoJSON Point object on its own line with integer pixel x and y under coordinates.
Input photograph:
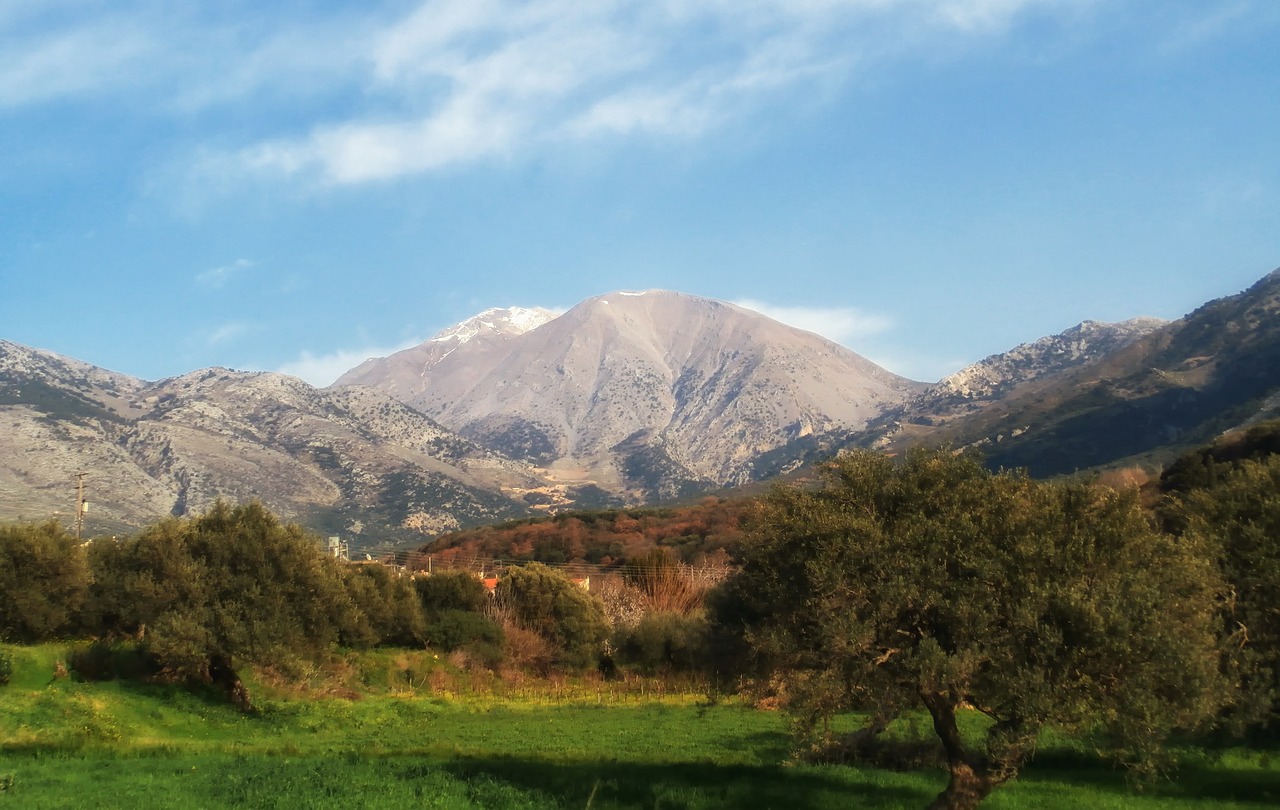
{"type": "Point", "coordinates": [352, 461]}
{"type": "Point", "coordinates": [649, 395]}
{"type": "Point", "coordinates": [1105, 394]}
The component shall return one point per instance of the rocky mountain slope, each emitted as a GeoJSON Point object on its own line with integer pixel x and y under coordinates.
{"type": "Point", "coordinates": [993, 377]}
{"type": "Point", "coordinates": [353, 461]}
{"type": "Point", "coordinates": [652, 395]}
{"type": "Point", "coordinates": [1148, 393]}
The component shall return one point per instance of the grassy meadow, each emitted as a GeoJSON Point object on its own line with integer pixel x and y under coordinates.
{"type": "Point", "coordinates": [404, 729]}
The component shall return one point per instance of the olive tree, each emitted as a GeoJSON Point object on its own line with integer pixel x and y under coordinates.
{"type": "Point", "coordinates": [44, 577]}
{"type": "Point", "coordinates": [1237, 517]}
{"type": "Point", "coordinates": [232, 585]}
{"type": "Point", "coordinates": [932, 583]}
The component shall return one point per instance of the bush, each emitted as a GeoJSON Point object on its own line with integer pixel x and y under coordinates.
{"type": "Point", "coordinates": [664, 642]}
{"type": "Point", "coordinates": [452, 590]}
{"type": "Point", "coordinates": [388, 609]}
{"type": "Point", "coordinates": [563, 614]}
{"type": "Point", "coordinates": [231, 585]}
{"type": "Point", "coordinates": [455, 629]}
{"type": "Point", "coordinates": [6, 667]}
{"type": "Point", "coordinates": [667, 584]}
{"type": "Point", "coordinates": [44, 578]}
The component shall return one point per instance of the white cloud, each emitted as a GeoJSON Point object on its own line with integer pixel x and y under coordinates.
{"type": "Point", "coordinates": [376, 91]}
{"type": "Point", "coordinates": [218, 277]}
{"type": "Point", "coordinates": [841, 325]}
{"type": "Point", "coordinates": [227, 333]}
{"type": "Point", "coordinates": [1213, 21]}
{"type": "Point", "coordinates": [324, 369]}
{"type": "Point", "coordinates": [68, 63]}
{"type": "Point", "coordinates": [467, 80]}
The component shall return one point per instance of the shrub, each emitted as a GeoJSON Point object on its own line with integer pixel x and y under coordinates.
{"type": "Point", "coordinates": [455, 629]}
{"type": "Point", "coordinates": [451, 590]}
{"type": "Point", "coordinates": [388, 610]}
{"type": "Point", "coordinates": [6, 667]}
{"type": "Point", "coordinates": [44, 578]}
{"type": "Point", "coordinates": [667, 584]}
{"type": "Point", "coordinates": [563, 614]}
{"type": "Point", "coordinates": [231, 585]}
{"type": "Point", "coordinates": [664, 642]}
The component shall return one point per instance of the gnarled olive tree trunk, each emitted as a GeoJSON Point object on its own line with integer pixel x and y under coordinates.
{"type": "Point", "coordinates": [972, 776]}
{"type": "Point", "coordinates": [224, 675]}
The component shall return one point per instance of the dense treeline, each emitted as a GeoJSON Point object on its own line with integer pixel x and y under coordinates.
{"type": "Point", "coordinates": [705, 534]}
{"type": "Point", "coordinates": [197, 598]}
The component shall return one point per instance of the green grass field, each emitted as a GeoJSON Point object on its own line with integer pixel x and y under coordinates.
{"type": "Point", "coordinates": [65, 743]}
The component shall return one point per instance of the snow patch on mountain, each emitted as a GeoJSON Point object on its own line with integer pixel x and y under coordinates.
{"type": "Point", "coordinates": [509, 321]}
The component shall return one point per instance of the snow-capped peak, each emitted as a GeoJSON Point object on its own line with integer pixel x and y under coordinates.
{"type": "Point", "coordinates": [500, 320]}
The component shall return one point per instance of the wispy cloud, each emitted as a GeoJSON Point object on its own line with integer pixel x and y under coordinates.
{"type": "Point", "coordinates": [227, 333]}
{"type": "Point", "coordinates": [323, 369]}
{"type": "Point", "coordinates": [1214, 21]}
{"type": "Point", "coordinates": [379, 90]}
{"type": "Point", "coordinates": [843, 325]}
{"type": "Point", "coordinates": [476, 79]}
{"type": "Point", "coordinates": [217, 277]}
{"type": "Point", "coordinates": [69, 62]}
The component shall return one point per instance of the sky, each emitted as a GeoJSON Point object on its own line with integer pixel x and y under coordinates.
{"type": "Point", "coordinates": [299, 185]}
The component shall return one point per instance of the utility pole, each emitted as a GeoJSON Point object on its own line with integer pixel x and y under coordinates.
{"type": "Point", "coordinates": [82, 505]}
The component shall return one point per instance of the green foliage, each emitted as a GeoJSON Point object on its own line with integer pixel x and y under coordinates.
{"type": "Point", "coordinates": [934, 583]}
{"type": "Point", "coordinates": [1238, 517]}
{"type": "Point", "coordinates": [233, 584]}
{"type": "Point", "coordinates": [454, 602]}
{"type": "Point", "coordinates": [547, 603]}
{"type": "Point", "coordinates": [458, 629]}
{"type": "Point", "coordinates": [1201, 468]}
{"type": "Point", "coordinates": [664, 642]}
{"type": "Point", "coordinates": [451, 590]}
{"type": "Point", "coordinates": [390, 607]}
{"type": "Point", "coordinates": [44, 578]}
{"type": "Point", "coordinates": [6, 667]}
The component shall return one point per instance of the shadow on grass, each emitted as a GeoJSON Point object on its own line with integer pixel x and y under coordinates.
{"type": "Point", "coordinates": [686, 785]}
{"type": "Point", "coordinates": [1215, 782]}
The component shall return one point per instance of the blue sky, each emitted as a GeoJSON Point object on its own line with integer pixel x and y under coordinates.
{"type": "Point", "coordinates": [301, 184]}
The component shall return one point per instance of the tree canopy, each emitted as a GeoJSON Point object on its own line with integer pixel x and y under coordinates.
{"type": "Point", "coordinates": [932, 583]}
{"type": "Point", "coordinates": [43, 579]}
{"type": "Point", "coordinates": [547, 603]}
{"type": "Point", "coordinates": [1236, 515]}
{"type": "Point", "coordinates": [232, 584]}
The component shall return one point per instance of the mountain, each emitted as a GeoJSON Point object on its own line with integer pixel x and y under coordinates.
{"type": "Point", "coordinates": [1147, 393]}
{"type": "Point", "coordinates": [352, 461]}
{"type": "Point", "coordinates": [399, 374]}
{"type": "Point", "coordinates": [995, 376]}
{"type": "Point", "coordinates": [652, 394]}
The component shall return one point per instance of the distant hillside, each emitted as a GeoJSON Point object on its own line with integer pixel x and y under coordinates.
{"type": "Point", "coordinates": [352, 462]}
{"type": "Point", "coordinates": [706, 533]}
{"type": "Point", "coordinates": [1149, 398]}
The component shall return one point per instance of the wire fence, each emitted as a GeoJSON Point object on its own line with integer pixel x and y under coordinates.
{"type": "Point", "coordinates": [419, 562]}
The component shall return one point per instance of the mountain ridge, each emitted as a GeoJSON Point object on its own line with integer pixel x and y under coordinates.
{"type": "Point", "coordinates": [650, 393]}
